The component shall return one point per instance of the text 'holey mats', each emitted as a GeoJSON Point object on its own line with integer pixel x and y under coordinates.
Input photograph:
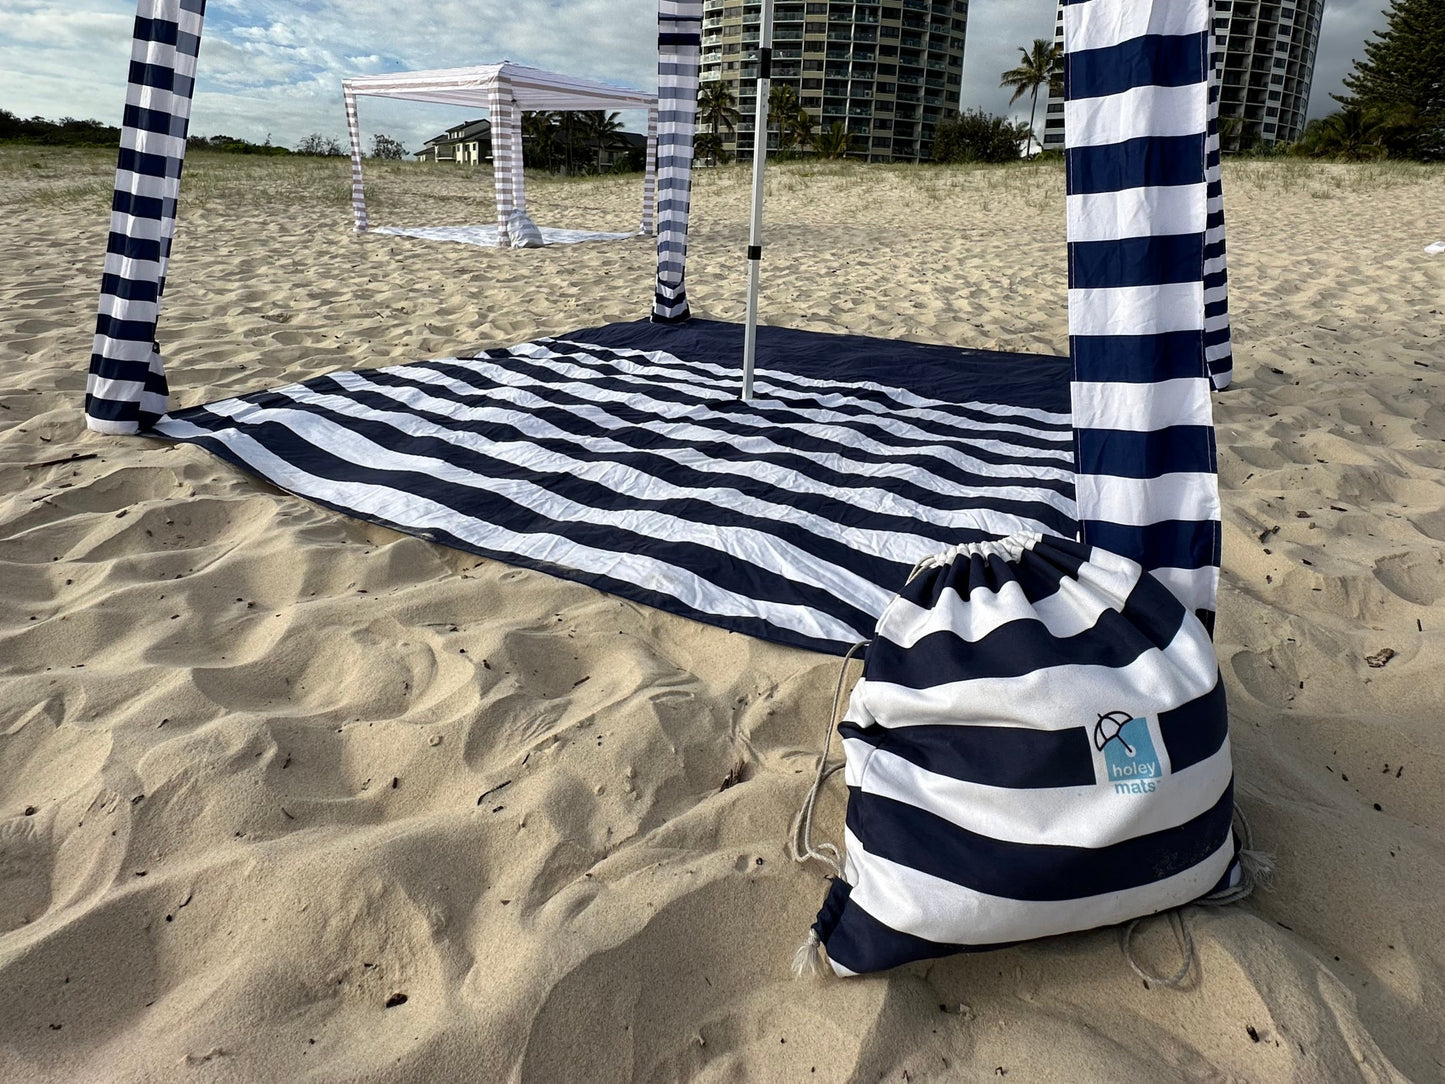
{"type": "Point", "coordinates": [621, 457]}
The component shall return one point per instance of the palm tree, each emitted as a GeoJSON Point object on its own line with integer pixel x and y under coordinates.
{"type": "Point", "coordinates": [783, 108]}
{"type": "Point", "coordinates": [717, 108]}
{"type": "Point", "coordinates": [603, 127]}
{"type": "Point", "coordinates": [541, 129]}
{"type": "Point", "coordinates": [1038, 67]}
{"type": "Point", "coordinates": [570, 125]}
{"type": "Point", "coordinates": [833, 142]}
{"type": "Point", "coordinates": [800, 128]}
{"type": "Point", "coordinates": [1352, 134]}
{"type": "Point", "coordinates": [708, 147]}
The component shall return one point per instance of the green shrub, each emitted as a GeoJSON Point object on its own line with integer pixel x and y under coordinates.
{"type": "Point", "coordinates": [976, 136]}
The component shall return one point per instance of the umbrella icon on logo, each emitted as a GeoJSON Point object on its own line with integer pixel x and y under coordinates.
{"type": "Point", "coordinates": [1110, 727]}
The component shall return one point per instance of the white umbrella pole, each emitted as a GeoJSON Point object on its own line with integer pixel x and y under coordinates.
{"type": "Point", "coordinates": [760, 158]}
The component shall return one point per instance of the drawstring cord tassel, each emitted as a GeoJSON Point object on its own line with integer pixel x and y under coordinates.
{"type": "Point", "coordinates": [808, 960]}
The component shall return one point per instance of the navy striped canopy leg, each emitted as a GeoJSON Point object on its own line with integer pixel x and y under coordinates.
{"type": "Point", "coordinates": [1136, 89]}
{"type": "Point", "coordinates": [679, 54]}
{"type": "Point", "coordinates": [1217, 349]}
{"type": "Point", "coordinates": [126, 389]}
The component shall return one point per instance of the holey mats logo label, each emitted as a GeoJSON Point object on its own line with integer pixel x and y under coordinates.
{"type": "Point", "coordinates": [1128, 747]}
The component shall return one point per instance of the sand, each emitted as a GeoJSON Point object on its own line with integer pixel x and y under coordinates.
{"type": "Point", "coordinates": [265, 771]}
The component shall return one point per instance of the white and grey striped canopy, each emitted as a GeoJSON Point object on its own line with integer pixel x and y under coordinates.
{"type": "Point", "coordinates": [1147, 312]}
{"type": "Point", "coordinates": [531, 88]}
{"type": "Point", "coordinates": [506, 91]}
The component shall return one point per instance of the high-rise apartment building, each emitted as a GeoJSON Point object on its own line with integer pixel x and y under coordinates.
{"type": "Point", "coordinates": [1269, 62]}
{"type": "Point", "coordinates": [889, 70]}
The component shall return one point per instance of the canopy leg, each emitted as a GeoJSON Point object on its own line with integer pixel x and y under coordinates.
{"type": "Point", "coordinates": [358, 189]}
{"type": "Point", "coordinates": [760, 160]}
{"type": "Point", "coordinates": [126, 388]}
{"type": "Point", "coordinates": [679, 54]}
{"type": "Point", "coordinates": [649, 178]}
{"type": "Point", "coordinates": [1217, 349]}
{"type": "Point", "coordinates": [519, 179]}
{"type": "Point", "coordinates": [500, 107]}
{"type": "Point", "coordinates": [1140, 277]}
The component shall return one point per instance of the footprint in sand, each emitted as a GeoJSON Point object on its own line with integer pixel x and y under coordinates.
{"type": "Point", "coordinates": [1416, 577]}
{"type": "Point", "coordinates": [24, 872]}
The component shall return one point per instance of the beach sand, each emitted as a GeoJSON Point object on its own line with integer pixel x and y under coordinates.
{"type": "Point", "coordinates": [265, 770]}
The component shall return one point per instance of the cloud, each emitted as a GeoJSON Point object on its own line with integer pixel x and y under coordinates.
{"type": "Point", "coordinates": [1346, 26]}
{"type": "Point", "coordinates": [276, 65]}
{"type": "Point", "coordinates": [997, 30]}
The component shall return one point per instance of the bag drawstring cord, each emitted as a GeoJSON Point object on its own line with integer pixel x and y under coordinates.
{"type": "Point", "coordinates": [800, 842]}
{"type": "Point", "coordinates": [1256, 870]}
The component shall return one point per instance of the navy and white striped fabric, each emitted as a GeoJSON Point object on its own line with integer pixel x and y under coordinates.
{"type": "Point", "coordinates": [679, 56]}
{"type": "Point", "coordinates": [126, 388]}
{"type": "Point", "coordinates": [1038, 745]}
{"type": "Point", "coordinates": [1218, 352]}
{"type": "Point", "coordinates": [1136, 85]}
{"type": "Point", "coordinates": [616, 463]}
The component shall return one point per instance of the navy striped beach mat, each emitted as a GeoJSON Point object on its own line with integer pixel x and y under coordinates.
{"type": "Point", "coordinates": [622, 457]}
{"type": "Point", "coordinates": [1038, 745]}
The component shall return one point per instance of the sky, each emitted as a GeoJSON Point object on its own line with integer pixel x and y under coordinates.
{"type": "Point", "coordinates": [274, 67]}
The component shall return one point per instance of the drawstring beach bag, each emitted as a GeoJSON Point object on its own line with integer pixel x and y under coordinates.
{"type": "Point", "coordinates": [522, 232]}
{"type": "Point", "coordinates": [1038, 745]}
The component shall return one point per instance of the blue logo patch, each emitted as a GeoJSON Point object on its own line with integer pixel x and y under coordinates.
{"type": "Point", "coordinates": [1130, 761]}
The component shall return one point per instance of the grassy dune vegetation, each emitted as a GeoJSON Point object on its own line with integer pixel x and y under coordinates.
{"type": "Point", "coordinates": [48, 176]}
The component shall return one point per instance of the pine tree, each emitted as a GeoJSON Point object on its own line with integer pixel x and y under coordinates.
{"type": "Point", "coordinates": [1401, 80]}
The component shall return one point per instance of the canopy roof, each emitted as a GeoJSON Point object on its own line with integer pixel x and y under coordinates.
{"type": "Point", "coordinates": [532, 89]}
